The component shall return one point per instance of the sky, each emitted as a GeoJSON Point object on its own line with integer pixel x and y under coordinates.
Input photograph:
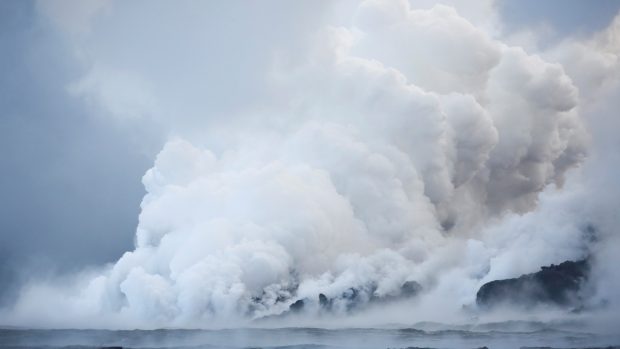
{"type": "Point", "coordinates": [91, 92]}
{"type": "Point", "coordinates": [71, 181]}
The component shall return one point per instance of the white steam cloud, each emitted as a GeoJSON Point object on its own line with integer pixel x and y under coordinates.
{"type": "Point", "coordinates": [409, 145]}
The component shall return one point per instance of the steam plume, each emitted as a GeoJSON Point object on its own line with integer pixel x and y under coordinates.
{"type": "Point", "coordinates": [409, 146]}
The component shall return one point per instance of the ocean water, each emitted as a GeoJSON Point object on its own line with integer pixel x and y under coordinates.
{"type": "Point", "coordinates": [504, 336]}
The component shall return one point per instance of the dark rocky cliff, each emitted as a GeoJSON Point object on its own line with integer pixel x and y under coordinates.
{"type": "Point", "coordinates": [558, 285]}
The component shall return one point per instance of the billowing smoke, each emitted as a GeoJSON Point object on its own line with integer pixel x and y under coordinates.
{"type": "Point", "coordinates": [405, 152]}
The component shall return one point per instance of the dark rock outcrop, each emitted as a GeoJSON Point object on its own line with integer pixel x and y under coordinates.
{"type": "Point", "coordinates": [558, 285]}
{"type": "Point", "coordinates": [355, 298]}
{"type": "Point", "coordinates": [297, 306]}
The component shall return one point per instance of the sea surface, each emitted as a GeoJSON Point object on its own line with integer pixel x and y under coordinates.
{"type": "Point", "coordinates": [492, 336]}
